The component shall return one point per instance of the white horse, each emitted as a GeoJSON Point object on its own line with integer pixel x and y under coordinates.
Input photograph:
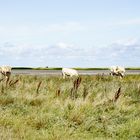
{"type": "Point", "coordinates": [5, 71]}
{"type": "Point", "coordinates": [118, 71]}
{"type": "Point", "coordinates": [69, 72]}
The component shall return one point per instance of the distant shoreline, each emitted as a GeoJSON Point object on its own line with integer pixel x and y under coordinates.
{"type": "Point", "coordinates": [59, 68]}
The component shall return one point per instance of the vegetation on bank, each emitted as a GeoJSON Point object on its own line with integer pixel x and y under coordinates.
{"type": "Point", "coordinates": [59, 68]}
{"type": "Point", "coordinates": [52, 108]}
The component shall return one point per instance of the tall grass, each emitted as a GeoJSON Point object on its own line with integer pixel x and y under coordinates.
{"type": "Point", "coordinates": [92, 107]}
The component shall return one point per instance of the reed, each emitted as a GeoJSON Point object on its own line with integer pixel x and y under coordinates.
{"type": "Point", "coordinates": [117, 94]}
{"type": "Point", "coordinates": [38, 86]}
{"type": "Point", "coordinates": [76, 84]}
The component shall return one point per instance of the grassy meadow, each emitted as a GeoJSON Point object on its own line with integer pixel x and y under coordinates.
{"type": "Point", "coordinates": [51, 108]}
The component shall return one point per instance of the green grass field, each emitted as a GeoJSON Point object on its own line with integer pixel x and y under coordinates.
{"type": "Point", "coordinates": [51, 108]}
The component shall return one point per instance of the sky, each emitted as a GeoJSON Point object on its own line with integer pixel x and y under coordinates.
{"type": "Point", "coordinates": [70, 33]}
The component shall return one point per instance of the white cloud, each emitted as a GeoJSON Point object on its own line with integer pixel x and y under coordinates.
{"type": "Point", "coordinates": [130, 22]}
{"type": "Point", "coordinates": [126, 52]}
{"type": "Point", "coordinates": [122, 52]}
{"type": "Point", "coordinates": [64, 45]}
{"type": "Point", "coordinates": [127, 42]}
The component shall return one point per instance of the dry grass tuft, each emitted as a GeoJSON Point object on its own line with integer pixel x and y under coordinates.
{"type": "Point", "coordinates": [58, 92]}
{"type": "Point", "coordinates": [117, 95]}
{"type": "Point", "coordinates": [74, 89]}
{"type": "Point", "coordinates": [38, 86]}
{"type": "Point", "coordinates": [85, 92]}
{"type": "Point", "coordinates": [12, 83]}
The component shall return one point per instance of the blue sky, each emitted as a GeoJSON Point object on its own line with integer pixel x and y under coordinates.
{"type": "Point", "coordinates": [70, 33]}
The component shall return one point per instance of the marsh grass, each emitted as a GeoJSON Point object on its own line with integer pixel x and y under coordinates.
{"type": "Point", "coordinates": [104, 107]}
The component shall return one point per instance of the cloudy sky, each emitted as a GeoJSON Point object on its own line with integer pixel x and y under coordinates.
{"type": "Point", "coordinates": [70, 33]}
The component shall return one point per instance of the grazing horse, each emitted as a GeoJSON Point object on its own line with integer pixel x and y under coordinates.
{"type": "Point", "coordinates": [69, 72]}
{"type": "Point", "coordinates": [5, 71]}
{"type": "Point", "coordinates": [117, 71]}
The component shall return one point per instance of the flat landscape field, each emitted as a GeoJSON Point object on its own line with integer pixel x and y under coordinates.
{"type": "Point", "coordinates": [35, 107]}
